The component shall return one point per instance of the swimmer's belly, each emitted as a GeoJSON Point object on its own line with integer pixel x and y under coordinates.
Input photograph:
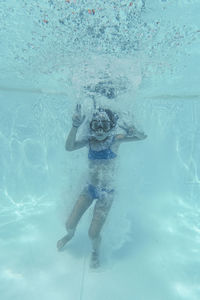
{"type": "Point", "coordinates": [102, 164]}
{"type": "Point", "coordinates": [100, 182]}
{"type": "Point", "coordinates": [101, 175]}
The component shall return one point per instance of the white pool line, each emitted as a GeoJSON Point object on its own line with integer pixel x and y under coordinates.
{"type": "Point", "coordinates": [31, 91]}
{"type": "Point", "coordinates": [61, 93]}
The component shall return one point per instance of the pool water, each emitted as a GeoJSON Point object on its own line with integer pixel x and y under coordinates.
{"type": "Point", "coordinates": [139, 58]}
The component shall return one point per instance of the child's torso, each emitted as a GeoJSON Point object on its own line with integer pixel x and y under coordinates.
{"type": "Point", "coordinates": [102, 157]}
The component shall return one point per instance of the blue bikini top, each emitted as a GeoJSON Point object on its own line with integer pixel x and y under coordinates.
{"type": "Point", "coordinates": [102, 154]}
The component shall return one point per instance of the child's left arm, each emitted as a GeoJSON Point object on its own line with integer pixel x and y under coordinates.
{"type": "Point", "coordinates": [131, 134]}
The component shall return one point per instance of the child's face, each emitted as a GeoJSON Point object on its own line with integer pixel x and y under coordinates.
{"type": "Point", "coordinates": [101, 127]}
{"type": "Point", "coordinates": [102, 123]}
{"type": "Point", "coordinates": [100, 135]}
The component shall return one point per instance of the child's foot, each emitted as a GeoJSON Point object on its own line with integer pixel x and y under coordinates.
{"type": "Point", "coordinates": [94, 260]}
{"type": "Point", "coordinates": [62, 242]}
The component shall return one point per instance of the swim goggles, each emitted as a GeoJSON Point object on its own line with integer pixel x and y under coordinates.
{"type": "Point", "coordinates": [103, 124]}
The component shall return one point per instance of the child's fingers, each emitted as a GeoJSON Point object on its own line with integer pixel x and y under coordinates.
{"type": "Point", "coordinates": [125, 124]}
{"type": "Point", "coordinates": [128, 126]}
{"type": "Point", "coordinates": [78, 108]}
{"type": "Point", "coordinates": [122, 127]}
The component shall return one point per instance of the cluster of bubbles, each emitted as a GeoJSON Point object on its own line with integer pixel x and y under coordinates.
{"type": "Point", "coordinates": [59, 31]}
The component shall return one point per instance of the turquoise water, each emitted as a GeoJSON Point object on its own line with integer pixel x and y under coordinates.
{"type": "Point", "coordinates": [50, 52]}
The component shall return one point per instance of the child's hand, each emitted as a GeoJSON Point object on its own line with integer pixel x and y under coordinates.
{"type": "Point", "coordinates": [77, 119]}
{"type": "Point", "coordinates": [130, 130]}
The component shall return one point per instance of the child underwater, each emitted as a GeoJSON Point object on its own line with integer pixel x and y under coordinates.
{"type": "Point", "coordinates": [103, 144]}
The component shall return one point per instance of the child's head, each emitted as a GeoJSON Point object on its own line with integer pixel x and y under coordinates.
{"type": "Point", "coordinates": [103, 121]}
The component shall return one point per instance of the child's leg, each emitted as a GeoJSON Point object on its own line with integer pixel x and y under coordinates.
{"type": "Point", "coordinates": [101, 210]}
{"type": "Point", "coordinates": [82, 204]}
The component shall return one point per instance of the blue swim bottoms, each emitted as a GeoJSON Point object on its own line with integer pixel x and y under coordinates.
{"type": "Point", "coordinates": [98, 193]}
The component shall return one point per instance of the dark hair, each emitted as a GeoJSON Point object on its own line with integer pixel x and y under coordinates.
{"type": "Point", "coordinates": [111, 115]}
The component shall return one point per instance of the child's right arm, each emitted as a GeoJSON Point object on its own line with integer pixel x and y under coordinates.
{"type": "Point", "coordinates": [71, 143]}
